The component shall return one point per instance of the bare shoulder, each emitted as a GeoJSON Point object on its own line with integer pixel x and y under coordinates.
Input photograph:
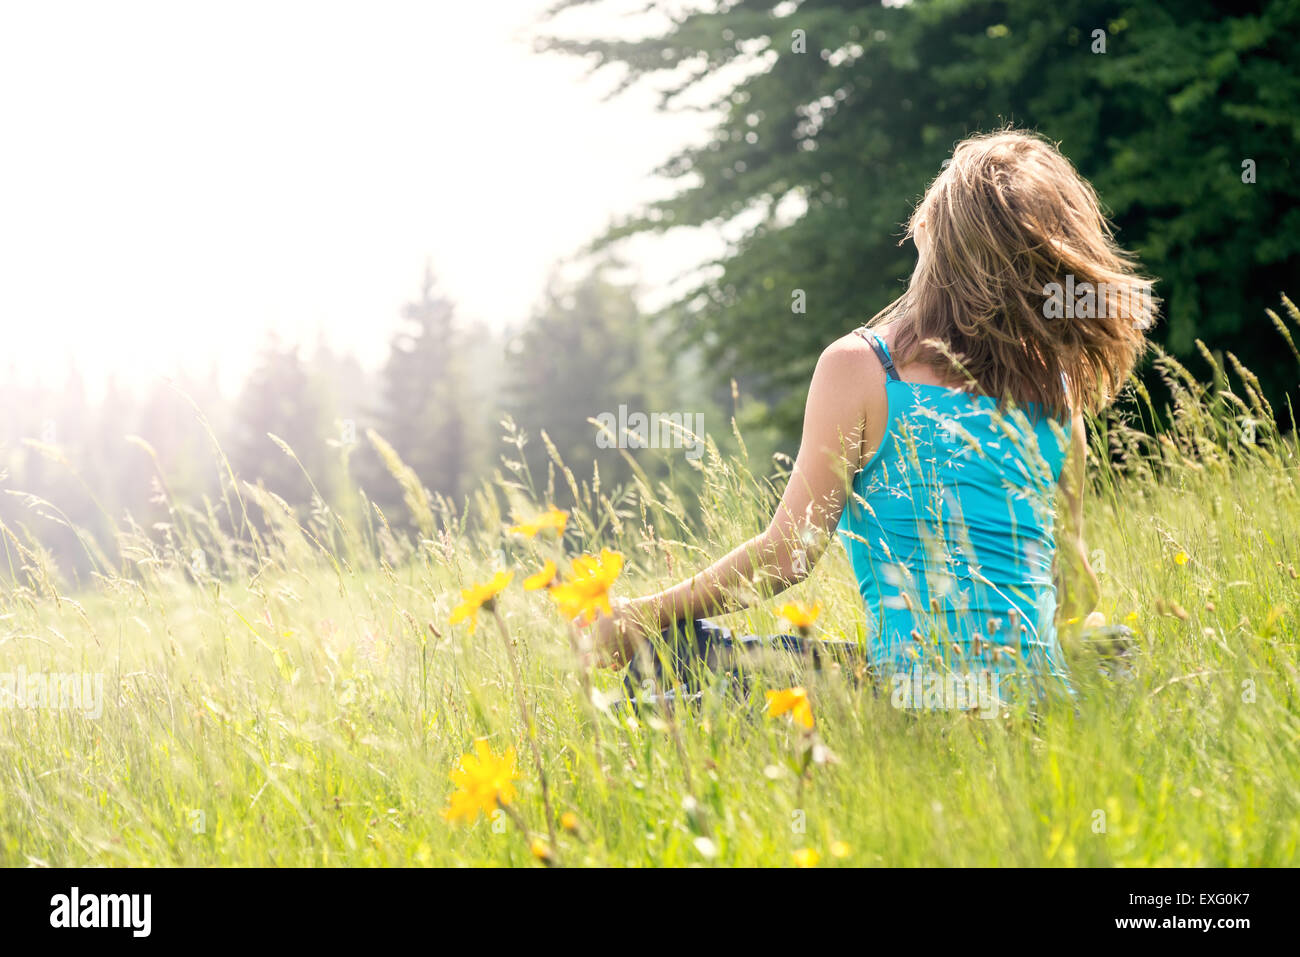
{"type": "Point", "coordinates": [849, 363]}
{"type": "Point", "coordinates": [847, 396]}
{"type": "Point", "coordinates": [848, 386]}
{"type": "Point", "coordinates": [845, 351]}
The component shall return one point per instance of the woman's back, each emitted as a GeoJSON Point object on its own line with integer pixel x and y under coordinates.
{"type": "Point", "coordinates": [1020, 289]}
{"type": "Point", "coordinates": [950, 531]}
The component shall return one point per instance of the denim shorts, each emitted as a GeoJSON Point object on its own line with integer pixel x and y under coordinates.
{"type": "Point", "coordinates": [691, 654]}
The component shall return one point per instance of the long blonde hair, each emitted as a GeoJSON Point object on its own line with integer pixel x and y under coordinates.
{"type": "Point", "coordinates": [1022, 283]}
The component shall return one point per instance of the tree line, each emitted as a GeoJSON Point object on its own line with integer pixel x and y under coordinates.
{"type": "Point", "coordinates": [453, 400]}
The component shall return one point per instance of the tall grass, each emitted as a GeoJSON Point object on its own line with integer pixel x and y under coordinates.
{"type": "Point", "coordinates": [292, 693]}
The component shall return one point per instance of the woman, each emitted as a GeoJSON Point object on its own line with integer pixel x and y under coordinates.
{"type": "Point", "coordinates": [936, 438]}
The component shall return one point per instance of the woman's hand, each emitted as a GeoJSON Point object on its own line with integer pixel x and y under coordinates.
{"type": "Point", "coordinates": [615, 637]}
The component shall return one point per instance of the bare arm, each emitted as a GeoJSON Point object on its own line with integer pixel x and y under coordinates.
{"type": "Point", "coordinates": [845, 394]}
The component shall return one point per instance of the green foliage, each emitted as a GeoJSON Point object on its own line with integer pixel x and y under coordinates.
{"type": "Point", "coordinates": [69, 472]}
{"type": "Point", "coordinates": [282, 400]}
{"type": "Point", "coordinates": [829, 149]}
{"type": "Point", "coordinates": [587, 351]}
{"type": "Point", "coordinates": [423, 414]}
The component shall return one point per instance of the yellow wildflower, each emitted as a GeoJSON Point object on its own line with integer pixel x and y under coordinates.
{"type": "Point", "coordinates": [479, 596]}
{"type": "Point", "coordinates": [587, 590]}
{"type": "Point", "coordinates": [806, 857]}
{"type": "Point", "coordinates": [552, 518]}
{"type": "Point", "coordinates": [483, 782]}
{"type": "Point", "coordinates": [799, 615]}
{"type": "Point", "coordinates": [543, 579]}
{"type": "Point", "coordinates": [794, 701]}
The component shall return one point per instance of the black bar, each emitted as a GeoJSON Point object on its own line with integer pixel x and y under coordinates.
{"type": "Point", "coordinates": [336, 907]}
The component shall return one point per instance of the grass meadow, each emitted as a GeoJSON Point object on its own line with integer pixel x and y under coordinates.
{"type": "Point", "coordinates": [295, 694]}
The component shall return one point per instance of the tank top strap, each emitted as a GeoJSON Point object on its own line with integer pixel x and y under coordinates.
{"type": "Point", "coordinates": [877, 343]}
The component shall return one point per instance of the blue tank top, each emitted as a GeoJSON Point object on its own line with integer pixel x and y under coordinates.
{"type": "Point", "coordinates": [949, 529]}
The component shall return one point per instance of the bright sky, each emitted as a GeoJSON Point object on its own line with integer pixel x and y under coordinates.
{"type": "Point", "coordinates": [178, 178]}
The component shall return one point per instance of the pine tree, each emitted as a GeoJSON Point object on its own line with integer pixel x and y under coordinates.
{"type": "Point", "coordinates": [836, 114]}
{"type": "Point", "coordinates": [279, 399]}
{"type": "Point", "coordinates": [422, 415]}
{"type": "Point", "coordinates": [586, 351]}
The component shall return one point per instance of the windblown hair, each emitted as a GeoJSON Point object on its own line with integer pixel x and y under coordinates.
{"type": "Point", "coordinates": [1023, 283]}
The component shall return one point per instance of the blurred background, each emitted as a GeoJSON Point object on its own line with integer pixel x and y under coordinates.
{"type": "Point", "coordinates": [227, 224]}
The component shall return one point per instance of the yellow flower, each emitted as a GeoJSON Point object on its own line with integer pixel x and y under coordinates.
{"type": "Point", "coordinates": [792, 700]}
{"type": "Point", "coordinates": [587, 590]}
{"type": "Point", "coordinates": [483, 782]}
{"type": "Point", "coordinates": [799, 615]}
{"type": "Point", "coordinates": [543, 579]}
{"type": "Point", "coordinates": [569, 821]}
{"type": "Point", "coordinates": [540, 850]}
{"type": "Point", "coordinates": [478, 596]}
{"type": "Point", "coordinates": [839, 849]}
{"type": "Point", "coordinates": [552, 518]}
{"type": "Point", "coordinates": [1180, 558]}
{"type": "Point", "coordinates": [806, 857]}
